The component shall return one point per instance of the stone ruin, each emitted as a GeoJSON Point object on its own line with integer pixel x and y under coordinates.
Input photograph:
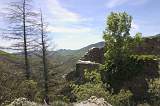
{"type": "Point", "coordinates": [95, 56]}
{"type": "Point", "coordinates": [150, 46]}
{"type": "Point", "coordinates": [90, 61]}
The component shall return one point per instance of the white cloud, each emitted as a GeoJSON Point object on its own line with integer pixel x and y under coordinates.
{"type": "Point", "coordinates": [68, 26]}
{"type": "Point", "coordinates": [115, 3]}
{"type": "Point", "coordinates": [59, 13]}
{"type": "Point", "coordinates": [63, 20]}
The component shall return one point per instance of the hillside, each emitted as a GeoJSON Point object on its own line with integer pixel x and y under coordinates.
{"type": "Point", "coordinates": [79, 52]}
{"type": "Point", "coordinates": [64, 62]}
{"type": "Point", "coordinates": [70, 57]}
{"type": "Point", "coordinates": [67, 58]}
{"type": "Point", "coordinates": [9, 58]}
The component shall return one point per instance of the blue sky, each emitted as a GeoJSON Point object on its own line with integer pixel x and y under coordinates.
{"type": "Point", "coordinates": [74, 24]}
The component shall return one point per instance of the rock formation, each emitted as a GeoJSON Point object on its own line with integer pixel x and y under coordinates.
{"type": "Point", "coordinates": [23, 102]}
{"type": "Point", "coordinates": [93, 101]}
{"type": "Point", "coordinates": [94, 55]}
{"type": "Point", "coordinates": [150, 46]}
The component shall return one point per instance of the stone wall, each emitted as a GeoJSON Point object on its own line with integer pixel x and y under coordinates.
{"type": "Point", "coordinates": [150, 46]}
{"type": "Point", "coordinates": [83, 65]}
{"type": "Point", "coordinates": [94, 55]}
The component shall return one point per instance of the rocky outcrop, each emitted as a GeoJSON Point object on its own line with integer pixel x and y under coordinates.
{"type": "Point", "coordinates": [94, 55]}
{"type": "Point", "coordinates": [93, 101]}
{"type": "Point", "coordinates": [150, 46]}
{"type": "Point", "coordinates": [90, 61]}
{"type": "Point", "coordinates": [23, 102]}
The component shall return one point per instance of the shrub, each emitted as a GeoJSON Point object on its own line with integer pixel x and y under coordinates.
{"type": "Point", "coordinates": [95, 87]}
{"type": "Point", "coordinates": [83, 92]}
{"type": "Point", "coordinates": [28, 89]}
{"type": "Point", "coordinates": [22, 102]}
{"type": "Point", "coordinates": [154, 91]}
{"type": "Point", "coordinates": [123, 98]}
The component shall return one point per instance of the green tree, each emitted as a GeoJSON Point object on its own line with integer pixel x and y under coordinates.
{"type": "Point", "coordinates": [119, 45]}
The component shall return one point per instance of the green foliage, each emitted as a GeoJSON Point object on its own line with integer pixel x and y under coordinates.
{"type": "Point", "coordinates": [116, 36]}
{"type": "Point", "coordinates": [85, 91]}
{"type": "Point", "coordinates": [154, 91]}
{"type": "Point", "coordinates": [92, 76]}
{"type": "Point", "coordinates": [10, 79]}
{"type": "Point", "coordinates": [28, 89]}
{"type": "Point", "coordinates": [95, 87]}
{"type": "Point", "coordinates": [145, 57]}
{"type": "Point", "coordinates": [119, 43]}
{"type": "Point", "coordinates": [9, 56]}
{"type": "Point", "coordinates": [121, 62]}
{"type": "Point", "coordinates": [123, 98]}
{"type": "Point", "coordinates": [127, 71]}
{"type": "Point", "coordinates": [118, 49]}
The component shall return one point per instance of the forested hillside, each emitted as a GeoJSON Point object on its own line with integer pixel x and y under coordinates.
{"type": "Point", "coordinates": [121, 70]}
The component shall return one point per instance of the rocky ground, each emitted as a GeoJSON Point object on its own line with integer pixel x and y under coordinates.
{"type": "Point", "coordinates": [92, 101]}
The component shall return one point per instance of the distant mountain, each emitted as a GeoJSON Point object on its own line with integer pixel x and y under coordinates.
{"type": "Point", "coordinates": [97, 45]}
{"type": "Point", "coordinates": [155, 36]}
{"type": "Point", "coordinates": [70, 57]}
{"type": "Point", "coordinates": [79, 52]}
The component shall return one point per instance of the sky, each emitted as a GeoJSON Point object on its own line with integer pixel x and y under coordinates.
{"type": "Point", "coordinates": [74, 24]}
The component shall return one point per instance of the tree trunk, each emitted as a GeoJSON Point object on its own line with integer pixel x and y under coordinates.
{"type": "Point", "coordinates": [25, 42]}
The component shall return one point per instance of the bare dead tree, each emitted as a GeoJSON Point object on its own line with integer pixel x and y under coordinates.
{"type": "Point", "coordinates": [21, 29]}
{"type": "Point", "coordinates": [42, 52]}
{"type": "Point", "coordinates": [45, 69]}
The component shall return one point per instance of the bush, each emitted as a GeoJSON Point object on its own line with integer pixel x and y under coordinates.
{"type": "Point", "coordinates": [10, 79]}
{"type": "Point", "coordinates": [83, 92]}
{"type": "Point", "coordinates": [154, 92]}
{"type": "Point", "coordinates": [123, 98]}
{"type": "Point", "coordinates": [95, 87]}
{"type": "Point", "coordinates": [28, 89]}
